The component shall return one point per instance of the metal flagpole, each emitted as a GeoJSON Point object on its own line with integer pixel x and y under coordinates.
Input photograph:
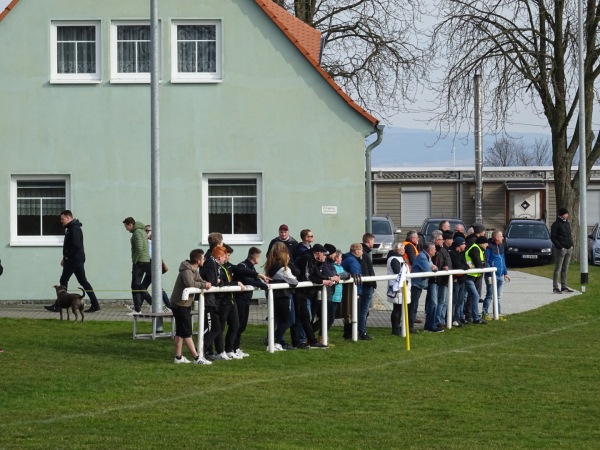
{"type": "Point", "coordinates": [155, 160]}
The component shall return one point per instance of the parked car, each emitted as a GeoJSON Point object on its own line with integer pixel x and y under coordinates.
{"type": "Point", "coordinates": [527, 241]}
{"type": "Point", "coordinates": [432, 223]}
{"type": "Point", "coordinates": [385, 235]}
{"type": "Point", "coordinates": [594, 245]}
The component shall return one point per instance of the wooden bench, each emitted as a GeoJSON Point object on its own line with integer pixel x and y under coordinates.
{"type": "Point", "coordinates": [153, 317]}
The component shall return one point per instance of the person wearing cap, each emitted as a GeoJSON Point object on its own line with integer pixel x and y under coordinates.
{"type": "Point", "coordinates": [562, 240]}
{"type": "Point", "coordinates": [328, 269]}
{"type": "Point", "coordinates": [494, 257]}
{"type": "Point", "coordinates": [475, 258]}
{"type": "Point", "coordinates": [284, 236]}
{"type": "Point", "coordinates": [310, 269]}
{"type": "Point", "coordinates": [457, 256]}
{"type": "Point", "coordinates": [476, 230]}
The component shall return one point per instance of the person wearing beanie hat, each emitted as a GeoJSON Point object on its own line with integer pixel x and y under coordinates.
{"type": "Point", "coordinates": [562, 241]}
{"type": "Point", "coordinates": [457, 256]}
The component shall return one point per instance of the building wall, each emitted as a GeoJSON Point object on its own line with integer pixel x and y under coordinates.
{"type": "Point", "coordinates": [272, 114]}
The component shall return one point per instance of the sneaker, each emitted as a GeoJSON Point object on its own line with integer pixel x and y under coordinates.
{"type": "Point", "coordinates": [91, 309]}
{"type": "Point", "coordinates": [502, 318]}
{"type": "Point", "coordinates": [456, 324]}
{"type": "Point", "coordinates": [288, 347]}
{"type": "Point", "coordinates": [202, 361]}
{"type": "Point", "coordinates": [51, 308]}
{"type": "Point", "coordinates": [182, 360]}
{"type": "Point", "coordinates": [233, 355]}
{"type": "Point", "coordinates": [418, 320]}
{"type": "Point", "coordinates": [567, 289]}
{"type": "Point", "coordinates": [480, 322]}
{"type": "Point", "coordinates": [318, 345]}
{"type": "Point", "coordinates": [210, 356]}
{"type": "Point", "coordinates": [303, 346]}
{"type": "Point", "coordinates": [365, 337]}
{"type": "Point", "coordinates": [435, 330]}
{"type": "Point", "coordinates": [221, 357]}
{"type": "Point", "coordinates": [557, 291]}
{"type": "Point", "coordinates": [413, 331]}
{"type": "Point", "coordinates": [241, 353]}
{"type": "Point", "coordinates": [488, 317]}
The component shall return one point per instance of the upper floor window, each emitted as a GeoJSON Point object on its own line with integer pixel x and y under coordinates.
{"type": "Point", "coordinates": [196, 51]}
{"type": "Point", "coordinates": [75, 52]}
{"type": "Point", "coordinates": [36, 203]}
{"type": "Point", "coordinates": [130, 52]}
{"type": "Point", "coordinates": [233, 207]}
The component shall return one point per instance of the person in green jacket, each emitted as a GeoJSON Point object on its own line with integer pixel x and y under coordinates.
{"type": "Point", "coordinates": [141, 276]}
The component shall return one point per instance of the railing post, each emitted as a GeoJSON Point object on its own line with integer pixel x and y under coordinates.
{"type": "Point", "coordinates": [200, 348]}
{"type": "Point", "coordinates": [450, 301]}
{"type": "Point", "coordinates": [495, 296]}
{"type": "Point", "coordinates": [324, 318]}
{"type": "Point", "coordinates": [270, 322]}
{"type": "Point", "coordinates": [354, 312]}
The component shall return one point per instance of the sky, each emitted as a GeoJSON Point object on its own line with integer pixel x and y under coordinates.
{"type": "Point", "coordinates": [3, 3]}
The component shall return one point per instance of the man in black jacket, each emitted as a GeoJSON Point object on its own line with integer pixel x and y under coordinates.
{"type": "Point", "coordinates": [74, 259]}
{"type": "Point", "coordinates": [368, 288]}
{"type": "Point", "coordinates": [562, 240]}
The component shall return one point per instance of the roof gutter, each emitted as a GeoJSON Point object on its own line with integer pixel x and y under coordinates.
{"type": "Point", "coordinates": [368, 177]}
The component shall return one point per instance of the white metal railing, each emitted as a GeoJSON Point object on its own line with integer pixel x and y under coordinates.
{"type": "Point", "coordinates": [354, 318]}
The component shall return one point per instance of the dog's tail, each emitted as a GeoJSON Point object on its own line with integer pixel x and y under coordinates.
{"type": "Point", "coordinates": [82, 291]}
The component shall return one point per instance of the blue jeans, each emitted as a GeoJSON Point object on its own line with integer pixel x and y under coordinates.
{"type": "Point", "coordinates": [413, 306]}
{"type": "Point", "coordinates": [363, 309]}
{"type": "Point", "coordinates": [431, 302]}
{"type": "Point", "coordinates": [473, 297]}
{"type": "Point", "coordinates": [458, 301]}
{"type": "Point", "coordinates": [442, 304]}
{"type": "Point", "coordinates": [487, 301]}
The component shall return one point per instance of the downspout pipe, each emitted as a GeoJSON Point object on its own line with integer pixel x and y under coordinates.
{"type": "Point", "coordinates": [369, 182]}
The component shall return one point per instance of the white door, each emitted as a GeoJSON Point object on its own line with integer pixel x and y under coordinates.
{"type": "Point", "coordinates": [526, 204]}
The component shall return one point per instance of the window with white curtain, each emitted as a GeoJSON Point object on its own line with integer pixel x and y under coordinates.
{"type": "Point", "coordinates": [233, 207]}
{"type": "Point", "coordinates": [196, 51]}
{"type": "Point", "coordinates": [75, 52]}
{"type": "Point", "coordinates": [130, 52]}
{"type": "Point", "coordinates": [36, 203]}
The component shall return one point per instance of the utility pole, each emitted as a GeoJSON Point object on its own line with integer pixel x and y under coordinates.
{"type": "Point", "coordinates": [583, 259]}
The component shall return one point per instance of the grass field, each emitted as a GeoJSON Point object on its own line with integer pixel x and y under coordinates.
{"type": "Point", "coordinates": [529, 382]}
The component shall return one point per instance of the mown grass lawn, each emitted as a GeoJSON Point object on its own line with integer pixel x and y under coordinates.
{"type": "Point", "coordinates": [530, 382]}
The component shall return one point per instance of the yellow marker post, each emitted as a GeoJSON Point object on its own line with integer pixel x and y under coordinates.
{"type": "Point", "coordinates": [405, 309]}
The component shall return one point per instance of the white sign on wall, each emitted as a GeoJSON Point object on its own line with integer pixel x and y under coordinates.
{"type": "Point", "coordinates": [328, 209]}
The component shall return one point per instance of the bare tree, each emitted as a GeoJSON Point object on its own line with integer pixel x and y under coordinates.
{"type": "Point", "coordinates": [526, 50]}
{"type": "Point", "coordinates": [503, 153]}
{"type": "Point", "coordinates": [371, 47]}
{"type": "Point", "coordinates": [540, 153]}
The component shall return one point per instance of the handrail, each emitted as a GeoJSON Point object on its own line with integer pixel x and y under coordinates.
{"type": "Point", "coordinates": [307, 284]}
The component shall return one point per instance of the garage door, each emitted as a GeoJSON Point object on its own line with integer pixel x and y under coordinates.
{"type": "Point", "coordinates": [416, 207]}
{"type": "Point", "coordinates": [593, 207]}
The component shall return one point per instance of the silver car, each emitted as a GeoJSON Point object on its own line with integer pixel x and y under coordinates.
{"type": "Point", "coordinates": [385, 236]}
{"type": "Point", "coordinates": [594, 245]}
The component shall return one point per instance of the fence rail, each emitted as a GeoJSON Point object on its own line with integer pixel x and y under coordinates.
{"type": "Point", "coordinates": [354, 318]}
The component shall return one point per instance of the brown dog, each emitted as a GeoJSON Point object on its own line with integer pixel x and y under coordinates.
{"type": "Point", "coordinates": [64, 300]}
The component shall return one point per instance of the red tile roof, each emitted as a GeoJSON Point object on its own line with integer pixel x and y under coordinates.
{"type": "Point", "coordinates": [10, 6]}
{"type": "Point", "coordinates": [308, 41]}
{"type": "Point", "coordinates": [304, 37]}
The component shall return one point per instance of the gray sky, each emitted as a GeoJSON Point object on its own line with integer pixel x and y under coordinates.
{"type": "Point", "coordinates": [3, 3]}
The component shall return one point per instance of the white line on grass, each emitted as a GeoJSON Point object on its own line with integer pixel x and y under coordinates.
{"type": "Point", "coordinates": [159, 400]}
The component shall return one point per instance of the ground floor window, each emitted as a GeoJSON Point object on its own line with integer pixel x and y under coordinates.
{"type": "Point", "coordinates": [36, 204]}
{"type": "Point", "coordinates": [233, 207]}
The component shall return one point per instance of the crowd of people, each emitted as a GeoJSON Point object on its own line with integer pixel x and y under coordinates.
{"type": "Point", "coordinates": [298, 310]}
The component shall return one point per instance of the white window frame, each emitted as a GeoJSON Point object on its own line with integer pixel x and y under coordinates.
{"type": "Point", "coordinates": [65, 78]}
{"type": "Point", "coordinates": [197, 77]}
{"type": "Point", "coordinates": [234, 238]}
{"type": "Point", "coordinates": [15, 239]}
{"type": "Point", "coordinates": [138, 77]}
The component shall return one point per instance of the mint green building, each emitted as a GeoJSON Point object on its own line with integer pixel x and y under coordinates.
{"type": "Point", "coordinates": [252, 134]}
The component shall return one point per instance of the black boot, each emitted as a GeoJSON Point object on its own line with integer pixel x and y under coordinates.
{"type": "Point", "coordinates": [347, 331]}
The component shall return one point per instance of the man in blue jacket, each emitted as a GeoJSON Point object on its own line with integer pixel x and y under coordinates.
{"type": "Point", "coordinates": [422, 263]}
{"type": "Point", "coordinates": [494, 257]}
